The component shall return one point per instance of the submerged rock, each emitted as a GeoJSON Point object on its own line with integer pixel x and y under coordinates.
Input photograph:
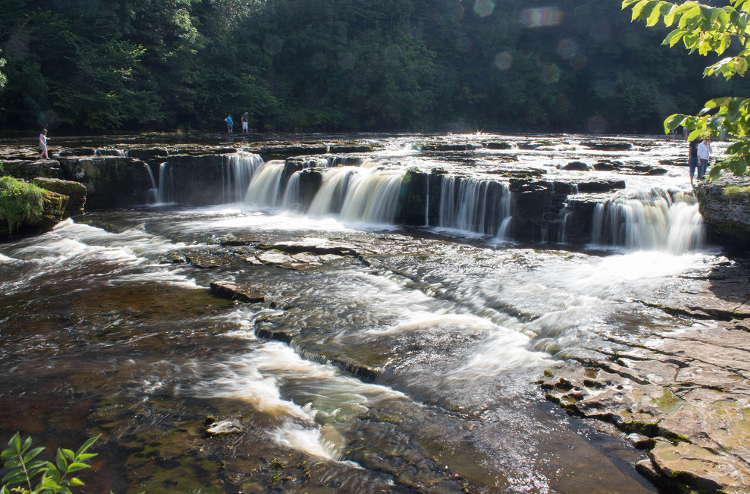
{"type": "Point", "coordinates": [607, 145]}
{"type": "Point", "coordinates": [235, 291]}
{"type": "Point", "coordinates": [224, 427]}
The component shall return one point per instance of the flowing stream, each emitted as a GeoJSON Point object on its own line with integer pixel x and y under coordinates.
{"type": "Point", "coordinates": [108, 326]}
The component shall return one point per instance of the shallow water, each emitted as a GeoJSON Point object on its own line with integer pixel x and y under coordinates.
{"type": "Point", "coordinates": [103, 331]}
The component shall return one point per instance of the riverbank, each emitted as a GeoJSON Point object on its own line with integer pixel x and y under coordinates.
{"type": "Point", "coordinates": [683, 396]}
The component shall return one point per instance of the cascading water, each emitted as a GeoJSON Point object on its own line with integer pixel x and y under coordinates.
{"type": "Point", "coordinates": [166, 183]}
{"type": "Point", "coordinates": [330, 196]}
{"type": "Point", "coordinates": [291, 199]}
{"type": "Point", "coordinates": [658, 220]}
{"type": "Point", "coordinates": [473, 205]}
{"type": "Point", "coordinates": [153, 192]}
{"type": "Point", "coordinates": [264, 189]}
{"type": "Point", "coordinates": [238, 171]}
{"type": "Point", "coordinates": [372, 196]}
{"type": "Point", "coordinates": [364, 194]}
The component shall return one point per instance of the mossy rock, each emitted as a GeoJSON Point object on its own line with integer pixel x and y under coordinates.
{"type": "Point", "coordinates": [75, 191]}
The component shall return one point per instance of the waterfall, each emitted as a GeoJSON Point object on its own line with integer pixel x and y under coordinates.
{"type": "Point", "coordinates": [473, 205]}
{"type": "Point", "coordinates": [292, 199]}
{"type": "Point", "coordinates": [166, 183]}
{"type": "Point", "coordinates": [237, 173]}
{"type": "Point", "coordinates": [330, 196]}
{"type": "Point", "coordinates": [153, 192]}
{"type": "Point", "coordinates": [358, 194]}
{"type": "Point", "coordinates": [264, 188]}
{"type": "Point", "coordinates": [372, 196]}
{"type": "Point", "coordinates": [110, 152]}
{"type": "Point", "coordinates": [657, 220]}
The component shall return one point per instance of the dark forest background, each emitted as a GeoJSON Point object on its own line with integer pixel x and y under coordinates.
{"type": "Point", "coordinates": [343, 65]}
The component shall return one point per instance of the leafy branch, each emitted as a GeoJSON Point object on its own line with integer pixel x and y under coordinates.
{"type": "Point", "coordinates": [28, 475]}
{"type": "Point", "coordinates": [708, 29]}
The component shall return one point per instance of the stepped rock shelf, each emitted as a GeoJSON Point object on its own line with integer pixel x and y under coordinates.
{"type": "Point", "coordinates": [682, 397]}
{"type": "Point", "coordinates": [557, 189]}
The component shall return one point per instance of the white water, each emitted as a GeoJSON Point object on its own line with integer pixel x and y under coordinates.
{"type": "Point", "coordinates": [265, 187]}
{"type": "Point", "coordinates": [238, 171]}
{"type": "Point", "coordinates": [656, 220]}
{"type": "Point", "coordinates": [291, 201]}
{"type": "Point", "coordinates": [372, 196]}
{"type": "Point", "coordinates": [473, 207]}
{"type": "Point", "coordinates": [330, 196]}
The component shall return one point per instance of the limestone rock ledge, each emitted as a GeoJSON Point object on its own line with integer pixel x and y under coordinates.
{"type": "Point", "coordinates": [688, 391]}
{"type": "Point", "coordinates": [725, 207]}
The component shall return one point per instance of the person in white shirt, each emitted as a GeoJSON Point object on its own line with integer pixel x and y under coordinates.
{"type": "Point", "coordinates": [43, 144]}
{"type": "Point", "coordinates": [704, 154]}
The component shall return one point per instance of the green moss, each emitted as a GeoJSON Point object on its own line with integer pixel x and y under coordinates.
{"type": "Point", "coordinates": [733, 190]}
{"type": "Point", "coordinates": [668, 401]}
{"type": "Point", "coordinates": [20, 203]}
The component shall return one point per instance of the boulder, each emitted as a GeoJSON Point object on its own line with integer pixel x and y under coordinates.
{"type": "Point", "coordinates": [725, 207]}
{"type": "Point", "coordinates": [578, 166]}
{"type": "Point", "coordinates": [110, 181]}
{"type": "Point", "coordinates": [54, 210]}
{"type": "Point", "coordinates": [76, 193]}
{"type": "Point", "coordinates": [607, 145]}
{"type": "Point", "coordinates": [596, 186]}
{"type": "Point", "coordinates": [27, 170]}
{"type": "Point", "coordinates": [235, 291]}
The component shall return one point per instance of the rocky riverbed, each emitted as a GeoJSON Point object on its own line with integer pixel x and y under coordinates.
{"type": "Point", "coordinates": [676, 387]}
{"type": "Point", "coordinates": [684, 397]}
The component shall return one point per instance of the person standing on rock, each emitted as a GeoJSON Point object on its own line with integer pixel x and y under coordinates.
{"type": "Point", "coordinates": [230, 124]}
{"type": "Point", "coordinates": [43, 145]}
{"type": "Point", "coordinates": [704, 154]}
{"type": "Point", "coordinates": [693, 158]}
{"type": "Point", "coordinates": [244, 121]}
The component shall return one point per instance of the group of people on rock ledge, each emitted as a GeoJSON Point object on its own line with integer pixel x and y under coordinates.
{"type": "Point", "coordinates": [243, 119]}
{"type": "Point", "coordinates": [699, 152]}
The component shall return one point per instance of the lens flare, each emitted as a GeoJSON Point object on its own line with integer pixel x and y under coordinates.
{"type": "Point", "coordinates": [483, 8]}
{"type": "Point", "coordinates": [567, 48]}
{"type": "Point", "coordinates": [541, 17]}
{"type": "Point", "coordinates": [552, 74]}
{"type": "Point", "coordinates": [596, 124]}
{"type": "Point", "coordinates": [504, 60]}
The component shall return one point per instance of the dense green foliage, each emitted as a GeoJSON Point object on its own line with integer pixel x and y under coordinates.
{"type": "Point", "coordinates": [20, 203]}
{"type": "Point", "coordinates": [28, 475]}
{"type": "Point", "coordinates": [576, 65]}
{"type": "Point", "coordinates": [706, 29]}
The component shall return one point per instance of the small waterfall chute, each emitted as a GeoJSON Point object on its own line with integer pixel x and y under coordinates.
{"type": "Point", "coordinates": [655, 220]}
{"type": "Point", "coordinates": [473, 205]}
{"type": "Point", "coordinates": [358, 194]}
{"type": "Point", "coordinates": [330, 196]}
{"type": "Point", "coordinates": [238, 172]}
{"type": "Point", "coordinates": [292, 200]}
{"type": "Point", "coordinates": [264, 189]}
{"type": "Point", "coordinates": [166, 183]}
{"type": "Point", "coordinates": [372, 196]}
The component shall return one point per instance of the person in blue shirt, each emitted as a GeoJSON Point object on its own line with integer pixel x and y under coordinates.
{"type": "Point", "coordinates": [230, 124]}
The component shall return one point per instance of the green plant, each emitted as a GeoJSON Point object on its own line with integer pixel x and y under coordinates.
{"type": "Point", "coordinates": [707, 29]}
{"type": "Point", "coordinates": [20, 203]}
{"type": "Point", "coordinates": [50, 478]}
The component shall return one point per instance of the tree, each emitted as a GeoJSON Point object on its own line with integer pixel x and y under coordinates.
{"type": "Point", "coordinates": [708, 29]}
{"type": "Point", "coordinates": [3, 79]}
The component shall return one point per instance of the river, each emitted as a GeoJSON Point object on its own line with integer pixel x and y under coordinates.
{"type": "Point", "coordinates": [109, 327]}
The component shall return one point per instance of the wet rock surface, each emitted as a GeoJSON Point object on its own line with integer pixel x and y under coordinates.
{"type": "Point", "coordinates": [689, 391]}
{"type": "Point", "coordinates": [725, 206]}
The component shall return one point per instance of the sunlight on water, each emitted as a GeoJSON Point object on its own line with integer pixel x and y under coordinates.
{"type": "Point", "coordinates": [274, 379]}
